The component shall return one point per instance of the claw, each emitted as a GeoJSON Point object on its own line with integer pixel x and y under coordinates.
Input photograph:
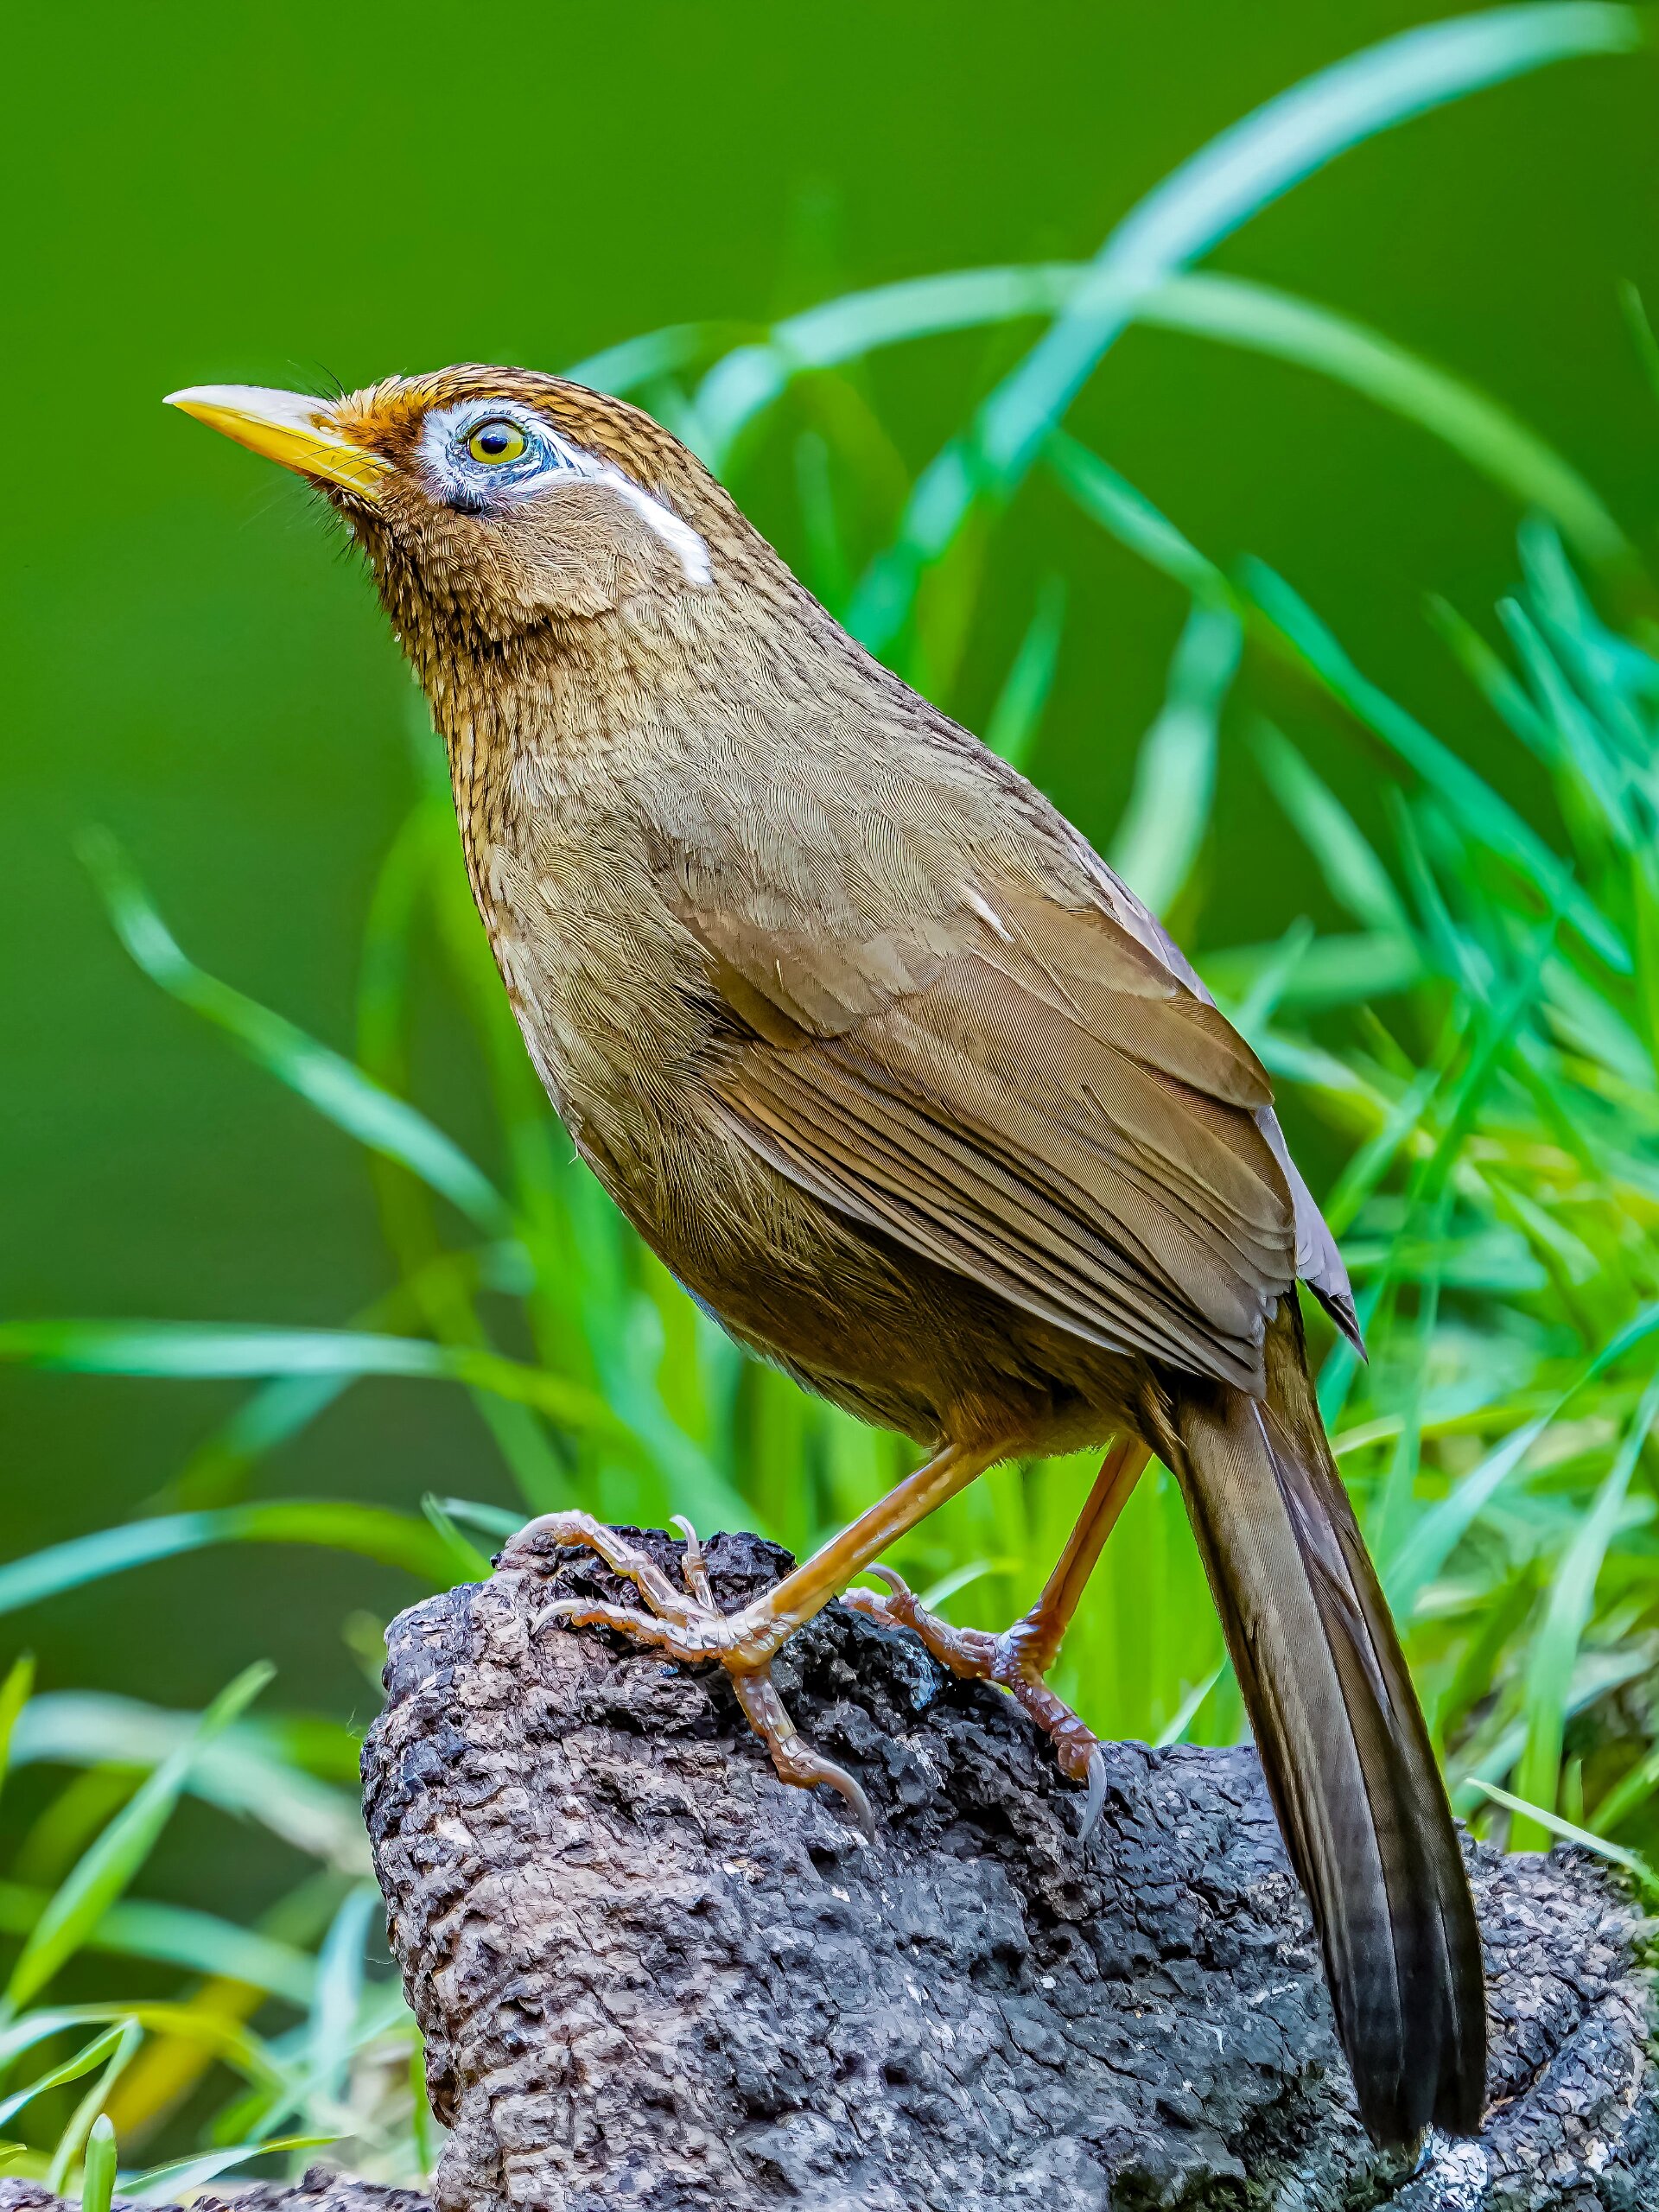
{"type": "Point", "coordinates": [1095, 1804]}
{"type": "Point", "coordinates": [694, 1571]}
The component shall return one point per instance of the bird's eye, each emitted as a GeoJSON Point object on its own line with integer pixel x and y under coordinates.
{"type": "Point", "coordinates": [496, 442]}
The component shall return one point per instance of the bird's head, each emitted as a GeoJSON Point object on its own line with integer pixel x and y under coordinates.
{"type": "Point", "coordinates": [493, 503]}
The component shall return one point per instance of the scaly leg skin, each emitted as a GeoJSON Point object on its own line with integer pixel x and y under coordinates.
{"type": "Point", "coordinates": [1017, 1660]}
{"type": "Point", "coordinates": [686, 1625]}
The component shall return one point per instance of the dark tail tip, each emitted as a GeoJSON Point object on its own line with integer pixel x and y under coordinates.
{"type": "Point", "coordinates": [1396, 2108]}
{"type": "Point", "coordinates": [1344, 1747]}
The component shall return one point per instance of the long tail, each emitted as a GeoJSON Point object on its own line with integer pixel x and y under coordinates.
{"type": "Point", "coordinates": [1343, 1742]}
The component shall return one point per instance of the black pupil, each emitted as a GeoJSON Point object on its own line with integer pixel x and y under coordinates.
{"type": "Point", "coordinates": [495, 437]}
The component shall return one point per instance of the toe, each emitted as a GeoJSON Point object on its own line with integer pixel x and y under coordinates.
{"type": "Point", "coordinates": [689, 1637]}
{"type": "Point", "coordinates": [794, 1759]}
{"type": "Point", "coordinates": [554, 1532]}
{"type": "Point", "coordinates": [534, 1544]}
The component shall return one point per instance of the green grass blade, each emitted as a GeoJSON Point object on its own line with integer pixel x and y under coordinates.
{"type": "Point", "coordinates": [1130, 517]}
{"type": "Point", "coordinates": [1438, 1530]}
{"type": "Point", "coordinates": [467, 1563]}
{"type": "Point", "coordinates": [1492, 678]}
{"type": "Point", "coordinates": [1469, 798]}
{"type": "Point", "coordinates": [1551, 1823]}
{"type": "Point", "coordinates": [325, 1079]}
{"type": "Point", "coordinates": [105, 1869]}
{"type": "Point", "coordinates": [1554, 1649]}
{"type": "Point", "coordinates": [174, 2182]}
{"type": "Point", "coordinates": [98, 2173]}
{"type": "Point", "coordinates": [493, 1520]}
{"type": "Point", "coordinates": [330, 2033]}
{"type": "Point", "coordinates": [1353, 874]}
{"type": "Point", "coordinates": [1489, 437]}
{"type": "Point", "coordinates": [374, 1532]}
{"type": "Point", "coordinates": [205, 1350]}
{"type": "Point", "coordinates": [1642, 337]}
{"type": "Point", "coordinates": [178, 1935]}
{"type": "Point", "coordinates": [1228, 309]}
{"type": "Point", "coordinates": [1274, 979]}
{"type": "Point", "coordinates": [1259, 159]}
{"type": "Point", "coordinates": [385, 954]}
{"type": "Point", "coordinates": [252, 1769]}
{"type": "Point", "coordinates": [1611, 671]}
{"type": "Point", "coordinates": [1497, 1740]}
{"type": "Point", "coordinates": [623, 369]}
{"type": "Point", "coordinates": [1644, 898]}
{"type": "Point", "coordinates": [84, 2118]}
{"type": "Point", "coordinates": [1441, 1528]}
{"type": "Point", "coordinates": [1328, 971]}
{"type": "Point", "coordinates": [1168, 810]}
{"type": "Point", "coordinates": [423, 870]}
{"type": "Point", "coordinates": [228, 2039]}
{"type": "Point", "coordinates": [421, 2113]}
{"type": "Point", "coordinates": [1576, 742]}
{"type": "Point", "coordinates": [217, 1471]}
{"type": "Point", "coordinates": [1018, 714]}
{"type": "Point", "coordinates": [1628, 1794]}
{"type": "Point", "coordinates": [14, 1693]}
{"type": "Point", "coordinates": [71, 2070]}
{"type": "Point", "coordinates": [1390, 1513]}
{"type": "Point", "coordinates": [1368, 1167]}
{"type": "Point", "coordinates": [1187, 1711]}
{"type": "Point", "coordinates": [825, 571]}
{"type": "Point", "coordinates": [1497, 1037]}
{"type": "Point", "coordinates": [1455, 955]}
{"type": "Point", "coordinates": [745, 383]}
{"type": "Point", "coordinates": [1247, 168]}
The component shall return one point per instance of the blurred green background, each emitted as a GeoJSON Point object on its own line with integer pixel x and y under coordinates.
{"type": "Point", "coordinates": [288, 197]}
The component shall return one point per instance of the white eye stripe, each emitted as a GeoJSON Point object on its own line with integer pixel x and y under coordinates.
{"type": "Point", "coordinates": [551, 456]}
{"type": "Point", "coordinates": [687, 544]}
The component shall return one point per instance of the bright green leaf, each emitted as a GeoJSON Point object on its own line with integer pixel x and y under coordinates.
{"type": "Point", "coordinates": [106, 1868]}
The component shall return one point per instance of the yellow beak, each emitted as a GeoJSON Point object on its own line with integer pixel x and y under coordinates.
{"type": "Point", "coordinates": [290, 428]}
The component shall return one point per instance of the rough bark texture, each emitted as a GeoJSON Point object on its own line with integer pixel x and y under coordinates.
{"type": "Point", "coordinates": [652, 1977]}
{"type": "Point", "coordinates": [320, 2191]}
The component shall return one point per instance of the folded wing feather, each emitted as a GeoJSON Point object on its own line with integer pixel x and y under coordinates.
{"type": "Point", "coordinates": [1031, 1098]}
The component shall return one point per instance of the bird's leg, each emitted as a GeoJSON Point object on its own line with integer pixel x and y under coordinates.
{"type": "Point", "coordinates": [1038, 1635]}
{"type": "Point", "coordinates": [1018, 1659]}
{"type": "Point", "coordinates": [687, 1626]}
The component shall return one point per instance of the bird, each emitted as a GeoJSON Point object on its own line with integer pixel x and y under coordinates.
{"type": "Point", "coordinates": [908, 1089]}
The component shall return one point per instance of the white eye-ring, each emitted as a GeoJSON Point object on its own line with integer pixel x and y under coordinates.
{"type": "Point", "coordinates": [486, 450]}
{"type": "Point", "coordinates": [485, 454]}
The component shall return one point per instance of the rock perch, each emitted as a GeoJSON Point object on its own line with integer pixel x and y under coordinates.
{"type": "Point", "coordinates": [650, 1977]}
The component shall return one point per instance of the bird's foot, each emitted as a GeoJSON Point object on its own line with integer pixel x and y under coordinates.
{"type": "Point", "coordinates": [687, 1625]}
{"type": "Point", "coordinates": [1015, 1660]}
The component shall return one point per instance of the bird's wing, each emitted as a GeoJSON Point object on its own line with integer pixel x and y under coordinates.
{"type": "Point", "coordinates": [1318, 1261]}
{"type": "Point", "coordinates": [1025, 1093]}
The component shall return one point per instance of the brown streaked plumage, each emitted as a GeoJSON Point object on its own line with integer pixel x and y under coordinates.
{"type": "Point", "coordinates": [907, 1087]}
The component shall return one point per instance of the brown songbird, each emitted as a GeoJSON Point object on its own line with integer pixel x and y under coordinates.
{"type": "Point", "coordinates": [911, 1091]}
